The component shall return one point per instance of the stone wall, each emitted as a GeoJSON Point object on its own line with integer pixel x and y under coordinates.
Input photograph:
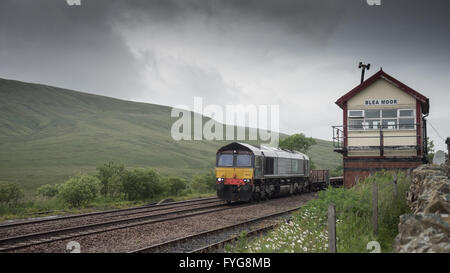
{"type": "Point", "coordinates": [427, 228]}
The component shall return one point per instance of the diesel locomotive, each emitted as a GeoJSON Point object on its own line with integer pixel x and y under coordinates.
{"type": "Point", "coordinates": [248, 173]}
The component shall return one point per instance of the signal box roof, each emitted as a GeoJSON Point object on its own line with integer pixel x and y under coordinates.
{"type": "Point", "coordinates": [424, 101]}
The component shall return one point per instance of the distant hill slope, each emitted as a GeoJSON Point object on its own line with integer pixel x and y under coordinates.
{"type": "Point", "coordinates": [48, 134]}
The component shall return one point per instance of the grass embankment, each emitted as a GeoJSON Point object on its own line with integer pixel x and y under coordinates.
{"type": "Point", "coordinates": [48, 134]}
{"type": "Point", "coordinates": [38, 207]}
{"type": "Point", "coordinates": [307, 232]}
{"type": "Point", "coordinates": [113, 186]}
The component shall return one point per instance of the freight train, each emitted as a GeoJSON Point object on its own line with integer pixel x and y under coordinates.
{"type": "Point", "coordinates": [248, 173]}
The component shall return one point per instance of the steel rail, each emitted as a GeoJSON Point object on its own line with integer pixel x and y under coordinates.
{"type": "Point", "coordinates": [44, 240]}
{"type": "Point", "coordinates": [156, 207]}
{"type": "Point", "coordinates": [156, 247]}
{"type": "Point", "coordinates": [83, 230]}
{"type": "Point", "coordinates": [222, 243]}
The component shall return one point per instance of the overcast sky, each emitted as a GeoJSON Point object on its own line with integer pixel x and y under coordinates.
{"type": "Point", "coordinates": [299, 54]}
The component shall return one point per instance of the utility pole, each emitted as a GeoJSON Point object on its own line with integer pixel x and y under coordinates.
{"type": "Point", "coordinates": [448, 150]}
{"type": "Point", "coordinates": [364, 67]}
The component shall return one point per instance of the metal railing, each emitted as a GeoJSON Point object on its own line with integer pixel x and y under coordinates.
{"type": "Point", "coordinates": [340, 140]}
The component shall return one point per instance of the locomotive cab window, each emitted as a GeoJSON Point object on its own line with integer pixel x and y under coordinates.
{"type": "Point", "coordinates": [225, 160]}
{"type": "Point", "coordinates": [243, 161]}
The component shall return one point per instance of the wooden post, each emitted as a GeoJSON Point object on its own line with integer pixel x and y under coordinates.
{"type": "Point", "coordinates": [332, 228]}
{"type": "Point", "coordinates": [395, 185]}
{"type": "Point", "coordinates": [408, 173]}
{"type": "Point", "coordinates": [381, 142]}
{"type": "Point", "coordinates": [356, 179]}
{"type": "Point", "coordinates": [375, 207]}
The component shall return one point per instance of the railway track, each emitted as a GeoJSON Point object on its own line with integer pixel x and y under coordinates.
{"type": "Point", "coordinates": [221, 244]}
{"type": "Point", "coordinates": [215, 238]}
{"type": "Point", "coordinates": [52, 235]}
{"type": "Point", "coordinates": [113, 211]}
{"type": "Point", "coordinates": [128, 218]}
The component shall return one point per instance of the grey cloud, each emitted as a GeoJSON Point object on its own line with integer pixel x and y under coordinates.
{"type": "Point", "coordinates": [301, 54]}
{"type": "Point", "coordinates": [73, 47]}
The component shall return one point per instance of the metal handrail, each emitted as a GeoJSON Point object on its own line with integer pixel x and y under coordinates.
{"type": "Point", "coordinates": [339, 136]}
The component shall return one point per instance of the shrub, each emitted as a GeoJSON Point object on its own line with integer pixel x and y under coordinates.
{"type": "Point", "coordinates": [106, 174]}
{"type": "Point", "coordinates": [338, 171]}
{"type": "Point", "coordinates": [204, 182]}
{"type": "Point", "coordinates": [142, 184]}
{"type": "Point", "coordinates": [116, 185]}
{"type": "Point", "coordinates": [80, 190]}
{"type": "Point", "coordinates": [10, 194]}
{"type": "Point", "coordinates": [175, 185]}
{"type": "Point", "coordinates": [48, 191]}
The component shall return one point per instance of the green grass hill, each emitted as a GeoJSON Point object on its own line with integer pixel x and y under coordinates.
{"type": "Point", "coordinates": [48, 134]}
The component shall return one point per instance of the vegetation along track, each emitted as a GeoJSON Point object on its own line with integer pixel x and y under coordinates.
{"type": "Point", "coordinates": [215, 238]}
{"type": "Point", "coordinates": [20, 223]}
{"type": "Point", "coordinates": [43, 234]}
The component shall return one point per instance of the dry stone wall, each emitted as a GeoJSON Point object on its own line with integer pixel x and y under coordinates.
{"type": "Point", "coordinates": [427, 228]}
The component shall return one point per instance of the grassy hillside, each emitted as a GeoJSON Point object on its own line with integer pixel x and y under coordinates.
{"type": "Point", "coordinates": [48, 134]}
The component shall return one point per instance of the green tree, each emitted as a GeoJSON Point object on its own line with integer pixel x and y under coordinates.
{"type": "Point", "coordinates": [338, 171]}
{"type": "Point", "coordinates": [116, 184]}
{"type": "Point", "coordinates": [142, 184]}
{"type": "Point", "coordinates": [48, 191]}
{"type": "Point", "coordinates": [80, 190]}
{"type": "Point", "coordinates": [297, 142]}
{"type": "Point", "coordinates": [175, 185]}
{"type": "Point", "coordinates": [10, 194]}
{"type": "Point", "coordinates": [106, 173]}
{"type": "Point", "coordinates": [204, 182]}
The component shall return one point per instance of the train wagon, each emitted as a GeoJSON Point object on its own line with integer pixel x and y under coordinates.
{"type": "Point", "coordinates": [245, 172]}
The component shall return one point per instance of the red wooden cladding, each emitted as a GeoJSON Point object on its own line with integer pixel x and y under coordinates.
{"type": "Point", "coordinates": [361, 169]}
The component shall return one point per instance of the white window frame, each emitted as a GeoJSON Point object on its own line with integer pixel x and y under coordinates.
{"type": "Point", "coordinates": [413, 117]}
{"type": "Point", "coordinates": [365, 122]}
{"type": "Point", "coordinates": [355, 117]}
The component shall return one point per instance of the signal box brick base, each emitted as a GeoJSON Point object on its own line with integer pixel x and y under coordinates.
{"type": "Point", "coordinates": [356, 168]}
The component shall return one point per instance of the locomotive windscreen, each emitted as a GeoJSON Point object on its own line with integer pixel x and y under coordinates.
{"type": "Point", "coordinates": [225, 160]}
{"type": "Point", "coordinates": [243, 161]}
{"type": "Point", "coordinates": [230, 160]}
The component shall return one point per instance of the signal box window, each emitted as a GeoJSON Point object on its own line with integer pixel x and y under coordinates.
{"type": "Point", "coordinates": [375, 119]}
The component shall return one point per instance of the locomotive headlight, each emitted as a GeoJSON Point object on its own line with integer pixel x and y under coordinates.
{"type": "Point", "coordinates": [220, 179]}
{"type": "Point", "coordinates": [246, 180]}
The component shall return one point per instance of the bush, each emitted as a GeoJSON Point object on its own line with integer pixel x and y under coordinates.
{"type": "Point", "coordinates": [48, 191]}
{"type": "Point", "coordinates": [142, 184]}
{"type": "Point", "coordinates": [338, 171]}
{"type": "Point", "coordinates": [80, 190]}
{"type": "Point", "coordinates": [204, 183]}
{"type": "Point", "coordinates": [108, 174]}
{"type": "Point", "coordinates": [10, 194]}
{"type": "Point", "coordinates": [175, 185]}
{"type": "Point", "coordinates": [116, 185]}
